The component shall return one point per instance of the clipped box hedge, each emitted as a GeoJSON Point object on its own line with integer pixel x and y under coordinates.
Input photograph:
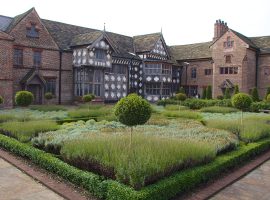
{"type": "Point", "coordinates": [167, 188]}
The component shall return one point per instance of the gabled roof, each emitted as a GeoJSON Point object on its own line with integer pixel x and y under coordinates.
{"type": "Point", "coordinates": [63, 33]}
{"type": "Point", "coordinates": [17, 19]}
{"type": "Point", "coordinates": [191, 51]}
{"type": "Point", "coordinates": [144, 43]}
{"type": "Point", "coordinates": [86, 38]}
{"type": "Point", "coordinates": [4, 22]}
{"type": "Point", "coordinates": [263, 42]}
{"type": "Point", "coordinates": [30, 75]}
{"type": "Point", "coordinates": [5, 36]}
{"type": "Point", "coordinates": [245, 39]}
{"type": "Point", "coordinates": [227, 84]}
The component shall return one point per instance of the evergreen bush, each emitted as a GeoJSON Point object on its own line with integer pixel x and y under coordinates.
{"type": "Point", "coordinates": [236, 89]}
{"type": "Point", "coordinates": [227, 94]}
{"type": "Point", "coordinates": [255, 95]}
{"type": "Point", "coordinates": [1, 100]}
{"type": "Point", "coordinates": [24, 98]}
{"type": "Point", "coordinates": [209, 92]}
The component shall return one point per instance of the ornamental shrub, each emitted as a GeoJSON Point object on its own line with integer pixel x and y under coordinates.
{"type": "Point", "coordinates": [181, 96]}
{"type": "Point", "coordinates": [24, 98]}
{"type": "Point", "coordinates": [182, 90]}
{"type": "Point", "coordinates": [255, 95]}
{"type": "Point", "coordinates": [1, 100]}
{"type": "Point", "coordinates": [48, 95]}
{"type": "Point", "coordinates": [257, 106]}
{"type": "Point", "coordinates": [227, 94]}
{"type": "Point", "coordinates": [241, 101]}
{"type": "Point", "coordinates": [267, 92]}
{"type": "Point", "coordinates": [236, 89]}
{"type": "Point", "coordinates": [209, 92]}
{"type": "Point", "coordinates": [133, 110]}
{"type": "Point", "coordinates": [204, 93]}
{"type": "Point", "coordinates": [88, 97]}
{"type": "Point", "coordinates": [268, 98]}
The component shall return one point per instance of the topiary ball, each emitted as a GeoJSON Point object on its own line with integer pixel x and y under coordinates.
{"type": "Point", "coordinates": [24, 98]}
{"type": "Point", "coordinates": [133, 110]}
{"type": "Point", "coordinates": [181, 96]}
{"type": "Point", "coordinates": [268, 98]}
{"type": "Point", "coordinates": [88, 97]}
{"type": "Point", "coordinates": [241, 101]}
{"type": "Point", "coordinates": [48, 95]}
{"type": "Point", "coordinates": [1, 100]}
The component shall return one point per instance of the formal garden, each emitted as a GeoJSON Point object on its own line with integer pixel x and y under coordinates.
{"type": "Point", "coordinates": [137, 150]}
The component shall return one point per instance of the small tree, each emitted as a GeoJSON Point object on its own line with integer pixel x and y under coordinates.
{"type": "Point", "coordinates": [1, 100]}
{"type": "Point", "coordinates": [180, 97]}
{"type": "Point", "coordinates": [209, 92]}
{"type": "Point", "coordinates": [133, 110]}
{"type": "Point", "coordinates": [204, 93]}
{"type": "Point", "coordinates": [88, 98]}
{"type": "Point", "coordinates": [48, 96]}
{"type": "Point", "coordinates": [236, 89]}
{"type": "Point", "coordinates": [267, 92]}
{"type": "Point", "coordinates": [255, 95]}
{"type": "Point", "coordinates": [227, 94]}
{"type": "Point", "coordinates": [268, 98]}
{"type": "Point", "coordinates": [24, 98]}
{"type": "Point", "coordinates": [182, 90]}
{"type": "Point", "coordinates": [241, 101]}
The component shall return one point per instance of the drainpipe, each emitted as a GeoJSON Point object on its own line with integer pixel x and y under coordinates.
{"type": "Point", "coordinates": [60, 77]}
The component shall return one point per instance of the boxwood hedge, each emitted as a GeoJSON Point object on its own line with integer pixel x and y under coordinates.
{"type": "Point", "coordinates": [167, 188]}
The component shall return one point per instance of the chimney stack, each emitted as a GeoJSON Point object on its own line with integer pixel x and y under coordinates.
{"type": "Point", "coordinates": [220, 28]}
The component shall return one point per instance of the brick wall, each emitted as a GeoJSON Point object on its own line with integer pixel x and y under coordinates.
{"type": "Point", "coordinates": [263, 74]}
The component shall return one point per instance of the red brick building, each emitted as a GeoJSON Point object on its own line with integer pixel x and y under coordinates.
{"type": "Point", "coordinates": [42, 56]}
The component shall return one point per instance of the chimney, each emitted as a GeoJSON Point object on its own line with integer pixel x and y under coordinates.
{"type": "Point", "coordinates": [220, 28]}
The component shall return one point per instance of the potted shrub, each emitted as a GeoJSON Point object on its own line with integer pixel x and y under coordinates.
{"type": "Point", "coordinates": [88, 98]}
{"type": "Point", "coordinates": [48, 96]}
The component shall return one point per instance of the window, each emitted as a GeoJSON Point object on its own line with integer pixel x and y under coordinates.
{"type": "Point", "coordinates": [100, 54]}
{"type": "Point", "coordinates": [50, 85]}
{"type": "Point", "coordinates": [37, 58]}
{"type": "Point", "coordinates": [118, 69]}
{"type": "Point", "coordinates": [153, 68]}
{"type": "Point", "coordinates": [228, 43]}
{"type": "Point", "coordinates": [228, 70]}
{"type": "Point", "coordinates": [228, 59]}
{"type": "Point", "coordinates": [153, 89]}
{"type": "Point", "coordinates": [266, 71]}
{"type": "Point", "coordinates": [166, 89]}
{"type": "Point", "coordinates": [18, 57]}
{"type": "Point", "coordinates": [32, 31]}
{"type": "Point", "coordinates": [193, 72]}
{"type": "Point", "coordinates": [166, 69]}
{"type": "Point", "coordinates": [207, 72]}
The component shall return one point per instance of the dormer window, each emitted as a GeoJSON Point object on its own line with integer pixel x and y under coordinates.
{"type": "Point", "coordinates": [229, 43]}
{"type": "Point", "coordinates": [228, 59]}
{"type": "Point", "coordinates": [100, 54]}
{"type": "Point", "coordinates": [32, 31]}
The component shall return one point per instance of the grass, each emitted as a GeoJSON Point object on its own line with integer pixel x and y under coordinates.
{"type": "Point", "coordinates": [7, 117]}
{"type": "Point", "coordinates": [48, 108]}
{"type": "Point", "coordinates": [219, 109]}
{"type": "Point", "coordinates": [149, 158]}
{"type": "Point", "coordinates": [176, 107]}
{"type": "Point", "coordinates": [254, 128]}
{"type": "Point", "coordinates": [187, 114]}
{"type": "Point", "coordinates": [24, 131]}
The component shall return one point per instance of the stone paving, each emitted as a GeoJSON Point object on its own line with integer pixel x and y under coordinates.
{"type": "Point", "coordinates": [14, 184]}
{"type": "Point", "coordinates": [255, 185]}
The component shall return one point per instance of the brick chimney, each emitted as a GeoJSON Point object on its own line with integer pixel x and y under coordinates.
{"type": "Point", "coordinates": [219, 29]}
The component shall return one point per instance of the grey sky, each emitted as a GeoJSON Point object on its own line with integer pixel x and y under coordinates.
{"type": "Point", "coordinates": [182, 22]}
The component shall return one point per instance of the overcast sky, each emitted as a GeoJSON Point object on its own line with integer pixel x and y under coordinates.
{"type": "Point", "coordinates": [182, 22]}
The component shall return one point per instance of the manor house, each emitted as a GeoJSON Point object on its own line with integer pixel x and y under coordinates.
{"type": "Point", "coordinates": [69, 61]}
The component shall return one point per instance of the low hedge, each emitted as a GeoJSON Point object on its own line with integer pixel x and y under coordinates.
{"type": "Point", "coordinates": [89, 181]}
{"type": "Point", "coordinates": [167, 188]}
{"type": "Point", "coordinates": [257, 106]}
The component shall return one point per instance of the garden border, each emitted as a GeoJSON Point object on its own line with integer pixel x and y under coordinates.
{"type": "Point", "coordinates": [166, 188]}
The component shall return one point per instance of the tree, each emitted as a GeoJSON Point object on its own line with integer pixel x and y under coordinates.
{"type": "Point", "coordinates": [227, 94]}
{"type": "Point", "coordinates": [267, 92]}
{"type": "Point", "coordinates": [255, 95]}
{"type": "Point", "coordinates": [1, 100]}
{"type": "Point", "coordinates": [236, 89]}
{"type": "Point", "coordinates": [182, 90]}
{"type": "Point", "coordinates": [24, 98]}
{"type": "Point", "coordinates": [180, 97]}
{"type": "Point", "coordinates": [48, 96]}
{"type": "Point", "coordinates": [241, 101]}
{"type": "Point", "coordinates": [268, 98]}
{"type": "Point", "coordinates": [133, 110]}
{"type": "Point", "coordinates": [88, 98]}
{"type": "Point", "coordinates": [204, 93]}
{"type": "Point", "coordinates": [209, 92]}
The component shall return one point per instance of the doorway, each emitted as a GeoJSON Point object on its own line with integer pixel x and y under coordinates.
{"type": "Point", "coordinates": [36, 90]}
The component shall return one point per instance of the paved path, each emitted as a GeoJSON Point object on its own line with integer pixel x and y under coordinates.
{"type": "Point", "coordinates": [255, 185]}
{"type": "Point", "coordinates": [14, 184]}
